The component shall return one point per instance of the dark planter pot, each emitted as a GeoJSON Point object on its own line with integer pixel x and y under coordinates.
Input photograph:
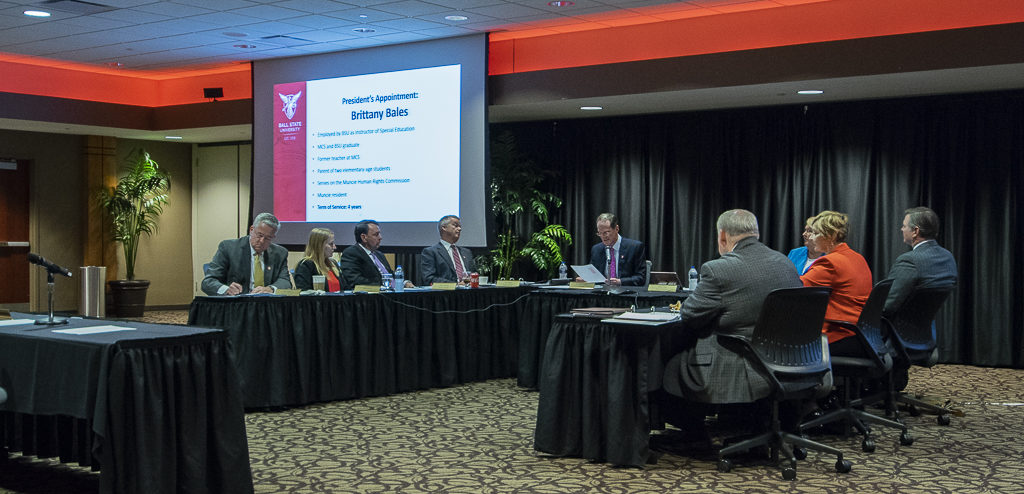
{"type": "Point", "coordinates": [129, 297]}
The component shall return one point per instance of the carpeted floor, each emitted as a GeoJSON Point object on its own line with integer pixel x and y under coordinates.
{"type": "Point", "coordinates": [479, 438]}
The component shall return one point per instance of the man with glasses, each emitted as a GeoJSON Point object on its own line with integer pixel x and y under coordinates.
{"type": "Point", "coordinates": [251, 264]}
{"type": "Point", "coordinates": [622, 260]}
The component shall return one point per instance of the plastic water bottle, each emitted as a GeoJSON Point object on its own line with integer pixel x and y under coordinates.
{"type": "Point", "coordinates": [385, 282]}
{"type": "Point", "coordinates": [399, 279]}
{"type": "Point", "coordinates": [562, 270]}
{"type": "Point", "coordinates": [693, 278]}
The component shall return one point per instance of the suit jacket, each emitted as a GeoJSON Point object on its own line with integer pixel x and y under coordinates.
{"type": "Point", "coordinates": [631, 267]}
{"type": "Point", "coordinates": [929, 265]}
{"type": "Point", "coordinates": [849, 276]}
{"type": "Point", "coordinates": [727, 300]}
{"type": "Point", "coordinates": [304, 272]}
{"type": "Point", "coordinates": [232, 263]}
{"type": "Point", "coordinates": [436, 264]}
{"type": "Point", "coordinates": [358, 269]}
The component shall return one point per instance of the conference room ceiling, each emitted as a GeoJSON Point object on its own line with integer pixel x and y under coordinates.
{"type": "Point", "coordinates": [169, 36]}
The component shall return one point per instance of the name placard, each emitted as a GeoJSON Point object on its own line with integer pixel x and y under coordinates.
{"type": "Point", "coordinates": [367, 288]}
{"type": "Point", "coordinates": [443, 286]}
{"type": "Point", "coordinates": [508, 283]}
{"type": "Point", "coordinates": [663, 288]}
{"type": "Point", "coordinates": [581, 284]}
{"type": "Point", "coordinates": [288, 292]}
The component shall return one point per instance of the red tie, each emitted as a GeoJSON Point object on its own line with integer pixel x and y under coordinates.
{"type": "Point", "coordinates": [459, 270]}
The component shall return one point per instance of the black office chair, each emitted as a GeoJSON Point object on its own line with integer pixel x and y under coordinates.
{"type": "Point", "coordinates": [913, 336]}
{"type": "Point", "coordinates": [875, 363]}
{"type": "Point", "coordinates": [787, 347]}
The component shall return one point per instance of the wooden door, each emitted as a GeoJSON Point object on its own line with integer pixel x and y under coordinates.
{"type": "Point", "coordinates": [14, 246]}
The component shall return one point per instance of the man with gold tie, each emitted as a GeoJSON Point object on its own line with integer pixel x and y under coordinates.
{"type": "Point", "coordinates": [251, 264]}
{"type": "Point", "coordinates": [444, 262]}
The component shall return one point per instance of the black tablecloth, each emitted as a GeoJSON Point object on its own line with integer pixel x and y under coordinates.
{"type": "Point", "coordinates": [158, 407]}
{"type": "Point", "coordinates": [544, 305]}
{"type": "Point", "coordinates": [595, 386]}
{"type": "Point", "coordinates": [306, 349]}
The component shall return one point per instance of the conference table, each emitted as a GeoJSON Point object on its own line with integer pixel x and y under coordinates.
{"type": "Point", "coordinates": [595, 390]}
{"type": "Point", "coordinates": [156, 408]}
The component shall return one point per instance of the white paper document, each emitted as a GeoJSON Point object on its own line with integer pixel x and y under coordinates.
{"type": "Point", "coordinates": [589, 273]}
{"type": "Point", "coordinates": [93, 330]}
{"type": "Point", "coordinates": [15, 322]}
{"type": "Point", "coordinates": [648, 316]}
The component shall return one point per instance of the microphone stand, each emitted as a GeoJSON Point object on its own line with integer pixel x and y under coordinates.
{"type": "Point", "coordinates": [51, 321]}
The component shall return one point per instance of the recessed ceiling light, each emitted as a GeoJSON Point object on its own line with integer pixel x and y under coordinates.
{"type": "Point", "coordinates": [244, 46]}
{"type": "Point", "coordinates": [364, 30]}
{"type": "Point", "coordinates": [363, 16]}
{"type": "Point", "coordinates": [810, 91]}
{"type": "Point", "coordinates": [173, 138]}
{"type": "Point", "coordinates": [591, 108]}
{"type": "Point", "coordinates": [36, 13]}
{"type": "Point", "coordinates": [455, 17]}
{"type": "Point", "coordinates": [561, 3]}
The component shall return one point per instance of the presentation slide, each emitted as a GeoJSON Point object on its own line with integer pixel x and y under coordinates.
{"type": "Point", "coordinates": [395, 133]}
{"type": "Point", "coordinates": [375, 143]}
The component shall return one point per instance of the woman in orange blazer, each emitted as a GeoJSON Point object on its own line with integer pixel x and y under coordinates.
{"type": "Point", "coordinates": [845, 271]}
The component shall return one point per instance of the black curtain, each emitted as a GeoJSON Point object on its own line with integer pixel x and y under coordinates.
{"type": "Point", "coordinates": [669, 176]}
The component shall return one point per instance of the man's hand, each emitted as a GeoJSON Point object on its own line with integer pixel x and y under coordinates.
{"type": "Point", "coordinates": [613, 281]}
{"type": "Point", "coordinates": [408, 284]}
{"type": "Point", "coordinates": [262, 289]}
{"type": "Point", "coordinates": [234, 289]}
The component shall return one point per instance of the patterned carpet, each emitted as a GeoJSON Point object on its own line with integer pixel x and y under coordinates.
{"type": "Point", "coordinates": [479, 438]}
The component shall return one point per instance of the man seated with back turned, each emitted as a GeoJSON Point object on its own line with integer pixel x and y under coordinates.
{"type": "Point", "coordinates": [444, 262]}
{"type": "Point", "coordinates": [251, 264]}
{"type": "Point", "coordinates": [622, 260]}
{"type": "Point", "coordinates": [728, 301]}
{"type": "Point", "coordinates": [362, 263]}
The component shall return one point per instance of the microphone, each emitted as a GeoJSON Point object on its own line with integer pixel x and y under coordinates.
{"type": "Point", "coordinates": [51, 267]}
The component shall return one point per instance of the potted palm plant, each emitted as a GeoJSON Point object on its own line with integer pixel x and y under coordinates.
{"type": "Point", "coordinates": [133, 205]}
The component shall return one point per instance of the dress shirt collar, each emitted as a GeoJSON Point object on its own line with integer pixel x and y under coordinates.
{"type": "Point", "coordinates": [367, 251]}
{"type": "Point", "coordinates": [921, 243]}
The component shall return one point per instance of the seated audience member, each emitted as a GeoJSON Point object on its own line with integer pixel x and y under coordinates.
{"type": "Point", "coordinates": [317, 260]}
{"type": "Point", "coordinates": [362, 263]}
{"type": "Point", "coordinates": [926, 265]}
{"type": "Point", "coordinates": [444, 261]}
{"type": "Point", "coordinates": [846, 272]}
{"type": "Point", "coordinates": [622, 260]}
{"type": "Point", "coordinates": [803, 257]}
{"type": "Point", "coordinates": [727, 301]}
{"type": "Point", "coordinates": [251, 264]}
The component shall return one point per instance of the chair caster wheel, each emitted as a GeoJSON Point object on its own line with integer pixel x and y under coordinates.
{"type": "Point", "coordinates": [906, 439]}
{"type": "Point", "coordinates": [943, 419]}
{"type": "Point", "coordinates": [724, 465]}
{"type": "Point", "coordinates": [844, 466]}
{"type": "Point", "coordinates": [914, 412]}
{"type": "Point", "coordinates": [867, 445]}
{"type": "Point", "coordinates": [789, 473]}
{"type": "Point", "coordinates": [800, 453]}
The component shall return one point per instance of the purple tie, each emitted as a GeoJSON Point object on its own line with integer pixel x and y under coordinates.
{"type": "Point", "coordinates": [376, 261]}
{"type": "Point", "coordinates": [611, 263]}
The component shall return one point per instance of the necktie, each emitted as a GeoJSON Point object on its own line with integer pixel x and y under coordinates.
{"type": "Point", "coordinates": [611, 264]}
{"type": "Point", "coordinates": [380, 266]}
{"type": "Point", "coordinates": [257, 271]}
{"type": "Point", "coordinates": [459, 270]}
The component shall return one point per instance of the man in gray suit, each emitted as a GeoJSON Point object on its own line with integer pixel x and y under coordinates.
{"type": "Point", "coordinates": [251, 264]}
{"type": "Point", "coordinates": [926, 265]}
{"type": "Point", "coordinates": [443, 261]}
{"type": "Point", "coordinates": [727, 300]}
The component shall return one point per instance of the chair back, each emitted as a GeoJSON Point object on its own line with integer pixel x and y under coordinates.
{"type": "Point", "coordinates": [870, 322]}
{"type": "Point", "coordinates": [787, 337]}
{"type": "Point", "coordinates": [911, 326]}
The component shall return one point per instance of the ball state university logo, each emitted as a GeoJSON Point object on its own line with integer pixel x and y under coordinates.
{"type": "Point", "coordinates": [290, 101]}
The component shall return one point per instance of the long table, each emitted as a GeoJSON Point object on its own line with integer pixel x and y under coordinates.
{"type": "Point", "coordinates": [298, 350]}
{"type": "Point", "coordinates": [596, 387]}
{"type": "Point", "coordinates": [156, 408]}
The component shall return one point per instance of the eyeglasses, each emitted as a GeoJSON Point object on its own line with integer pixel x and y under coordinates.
{"type": "Point", "coordinates": [605, 233]}
{"type": "Point", "coordinates": [261, 237]}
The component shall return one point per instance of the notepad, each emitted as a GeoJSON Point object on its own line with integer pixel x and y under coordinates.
{"type": "Point", "coordinates": [93, 330]}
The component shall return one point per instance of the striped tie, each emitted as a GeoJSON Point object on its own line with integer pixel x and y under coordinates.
{"type": "Point", "coordinates": [460, 271]}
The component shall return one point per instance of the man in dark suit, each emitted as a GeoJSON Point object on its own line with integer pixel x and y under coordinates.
{"type": "Point", "coordinates": [622, 260]}
{"type": "Point", "coordinates": [362, 263]}
{"type": "Point", "coordinates": [251, 264]}
{"type": "Point", "coordinates": [444, 261]}
{"type": "Point", "coordinates": [926, 265]}
{"type": "Point", "coordinates": [727, 300]}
